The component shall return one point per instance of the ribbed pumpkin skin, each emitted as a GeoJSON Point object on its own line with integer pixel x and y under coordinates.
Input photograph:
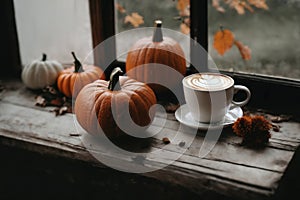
{"type": "Point", "coordinates": [40, 74]}
{"type": "Point", "coordinates": [70, 82]}
{"type": "Point", "coordinates": [145, 51]}
{"type": "Point", "coordinates": [93, 106]}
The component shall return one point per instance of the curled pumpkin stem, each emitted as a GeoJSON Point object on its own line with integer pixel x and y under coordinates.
{"type": "Point", "coordinates": [44, 58]}
{"type": "Point", "coordinates": [77, 64]}
{"type": "Point", "coordinates": [114, 83]}
{"type": "Point", "coordinates": [221, 28]}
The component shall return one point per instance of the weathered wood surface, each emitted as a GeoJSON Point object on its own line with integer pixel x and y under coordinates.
{"type": "Point", "coordinates": [229, 168]}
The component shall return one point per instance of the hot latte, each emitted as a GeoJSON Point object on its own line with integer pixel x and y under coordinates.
{"type": "Point", "coordinates": [208, 81]}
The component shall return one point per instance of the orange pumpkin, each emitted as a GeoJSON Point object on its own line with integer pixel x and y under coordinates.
{"type": "Point", "coordinates": [148, 52]}
{"type": "Point", "coordinates": [71, 80]}
{"type": "Point", "coordinates": [105, 104]}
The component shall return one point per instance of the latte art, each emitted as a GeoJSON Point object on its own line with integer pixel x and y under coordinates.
{"type": "Point", "coordinates": [209, 81]}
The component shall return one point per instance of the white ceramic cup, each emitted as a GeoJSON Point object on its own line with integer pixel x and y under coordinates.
{"type": "Point", "coordinates": [210, 95]}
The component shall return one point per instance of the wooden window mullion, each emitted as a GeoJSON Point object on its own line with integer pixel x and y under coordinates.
{"type": "Point", "coordinates": [10, 53]}
{"type": "Point", "coordinates": [199, 35]}
{"type": "Point", "coordinates": [103, 27]}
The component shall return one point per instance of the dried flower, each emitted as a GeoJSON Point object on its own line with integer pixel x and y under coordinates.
{"type": "Point", "coordinates": [242, 126]}
{"type": "Point", "coordinates": [255, 130]}
{"type": "Point", "coordinates": [260, 124]}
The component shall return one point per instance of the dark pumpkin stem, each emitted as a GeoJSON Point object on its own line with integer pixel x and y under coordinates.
{"type": "Point", "coordinates": [157, 35]}
{"type": "Point", "coordinates": [114, 83]}
{"type": "Point", "coordinates": [221, 27]}
{"type": "Point", "coordinates": [44, 57]}
{"type": "Point", "coordinates": [77, 64]}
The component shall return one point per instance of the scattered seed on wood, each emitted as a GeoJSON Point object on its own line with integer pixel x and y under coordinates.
{"type": "Point", "coordinates": [139, 159]}
{"type": "Point", "coordinates": [278, 119]}
{"type": "Point", "coordinates": [75, 134]}
{"type": "Point", "coordinates": [181, 144]}
{"type": "Point", "coordinates": [276, 127]}
{"type": "Point", "coordinates": [166, 140]}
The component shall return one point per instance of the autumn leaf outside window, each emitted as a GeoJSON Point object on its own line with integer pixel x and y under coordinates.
{"type": "Point", "coordinates": [223, 39]}
{"type": "Point", "coordinates": [255, 25]}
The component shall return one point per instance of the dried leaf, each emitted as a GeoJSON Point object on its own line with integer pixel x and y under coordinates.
{"type": "Point", "coordinates": [182, 4]}
{"type": "Point", "coordinates": [220, 9]}
{"type": "Point", "coordinates": [171, 107]}
{"type": "Point", "coordinates": [238, 7]}
{"type": "Point", "coordinates": [216, 5]}
{"type": "Point", "coordinates": [135, 19]}
{"type": "Point", "coordinates": [50, 96]}
{"type": "Point", "coordinates": [223, 41]}
{"type": "Point", "coordinates": [56, 102]}
{"type": "Point", "coordinates": [259, 4]}
{"type": "Point", "coordinates": [120, 8]}
{"type": "Point", "coordinates": [40, 101]}
{"type": "Point", "coordinates": [187, 21]}
{"type": "Point", "coordinates": [276, 127]}
{"type": "Point", "coordinates": [70, 110]}
{"type": "Point", "coordinates": [248, 7]}
{"type": "Point", "coordinates": [60, 111]}
{"type": "Point", "coordinates": [245, 51]}
{"type": "Point", "coordinates": [279, 119]}
{"type": "Point", "coordinates": [50, 90]}
{"type": "Point", "coordinates": [185, 29]}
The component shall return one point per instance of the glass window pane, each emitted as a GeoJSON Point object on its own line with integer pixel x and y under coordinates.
{"type": "Point", "coordinates": [53, 27]}
{"type": "Point", "coordinates": [272, 35]}
{"type": "Point", "coordinates": [134, 14]}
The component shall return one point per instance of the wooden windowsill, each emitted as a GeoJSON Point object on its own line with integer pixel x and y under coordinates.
{"type": "Point", "coordinates": [229, 169]}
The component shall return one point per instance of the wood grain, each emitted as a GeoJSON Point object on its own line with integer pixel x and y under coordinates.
{"type": "Point", "coordinates": [229, 168]}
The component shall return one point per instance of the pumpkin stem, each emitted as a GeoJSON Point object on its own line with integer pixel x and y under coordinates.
{"type": "Point", "coordinates": [44, 57]}
{"type": "Point", "coordinates": [221, 27]}
{"type": "Point", "coordinates": [157, 35]}
{"type": "Point", "coordinates": [114, 83]}
{"type": "Point", "coordinates": [77, 64]}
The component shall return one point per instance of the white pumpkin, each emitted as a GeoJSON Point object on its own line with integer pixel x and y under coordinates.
{"type": "Point", "coordinates": [41, 73]}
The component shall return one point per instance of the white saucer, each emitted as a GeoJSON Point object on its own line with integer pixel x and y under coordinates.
{"type": "Point", "coordinates": [184, 116]}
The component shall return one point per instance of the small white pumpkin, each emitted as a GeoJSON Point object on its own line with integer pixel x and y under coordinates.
{"type": "Point", "coordinates": [41, 73]}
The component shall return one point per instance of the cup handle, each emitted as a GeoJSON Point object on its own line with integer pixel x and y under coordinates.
{"type": "Point", "coordinates": [248, 93]}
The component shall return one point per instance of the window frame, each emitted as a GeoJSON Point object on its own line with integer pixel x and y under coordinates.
{"type": "Point", "coordinates": [274, 94]}
{"type": "Point", "coordinates": [10, 54]}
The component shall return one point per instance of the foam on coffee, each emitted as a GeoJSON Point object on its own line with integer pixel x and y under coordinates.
{"type": "Point", "coordinates": [208, 81]}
